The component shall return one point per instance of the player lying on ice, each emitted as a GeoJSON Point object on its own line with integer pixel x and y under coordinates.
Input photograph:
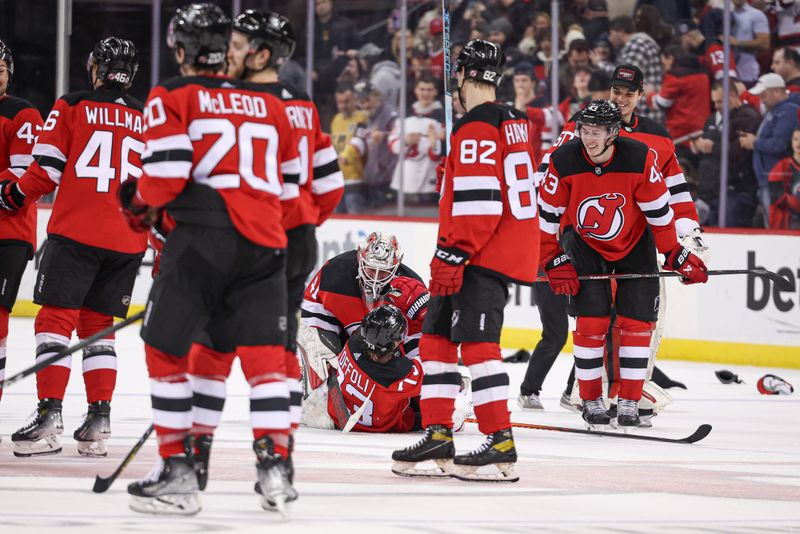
{"type": "Point", "coordinates": [375, 376]}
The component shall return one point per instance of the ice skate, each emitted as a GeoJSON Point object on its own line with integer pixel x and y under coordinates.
{"type": "Point", "coordinates": [95, 430]}
{"type": "Point", "coordinates": [529, 402]}
{"type": "Point", "coordinates": [436, 445]}
{"type": "Point", "coordinates": [497, 454]}
{"type": "Point", "coordinates": [170, 489]}
{"type": "Point", "coordinates": [595, 413]}
{"type": "Point", "coordinates": [627, 414]}
{"type": "Point", "coordinates": [273, 486]}
{"type": "Point", "coordinates": [40, 436]}
{"type": "Point", "coordinates": [566, 404]}
{"type": "Point", "coordinates": [202, 456]}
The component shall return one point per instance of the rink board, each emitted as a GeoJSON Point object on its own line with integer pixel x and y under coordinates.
{"type": "Point", "coordinates": [733, 319]}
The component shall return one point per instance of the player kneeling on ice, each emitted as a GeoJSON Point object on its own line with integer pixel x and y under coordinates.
{"type": "Point", "coordinates": [371, 375]}
{"type": "Point", "coordinates": [617, 205]}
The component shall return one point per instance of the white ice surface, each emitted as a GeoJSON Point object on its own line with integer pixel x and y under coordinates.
{"type": "Point", "coordinates": [744, 477]}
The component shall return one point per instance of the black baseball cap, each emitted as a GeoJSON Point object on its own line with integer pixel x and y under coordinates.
{"type": "Point", "coordinates": [628, 76]}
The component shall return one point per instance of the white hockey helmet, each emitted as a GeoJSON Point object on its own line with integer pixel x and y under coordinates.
{"type": "Point", "coordinates": [379, 257]}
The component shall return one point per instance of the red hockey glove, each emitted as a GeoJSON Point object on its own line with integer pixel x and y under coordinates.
{"type": "Point", "coordinates": [562, 276]}
{"type": "Point", "coordinates": [692, 268]}
{"type": "Point", "coordinates": [11, 197]}
{"type": "Point", "coordinates": [447, 271]}
{"type": "Point", "coordinates": [440, 174]}
{"type": "Point", "coordinates": [158, 237]}
{"type": "Point", "coordinates": [139, 216]}
{"type": "Point", "coordinates": [411, 296]}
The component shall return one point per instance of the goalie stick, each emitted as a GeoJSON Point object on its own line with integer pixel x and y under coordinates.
{"type": "Point", "coordinates": [69, 350]}
{"type": "Point", "coordinates": [701, 432]}
{"type": "Point", "coordinates": [780, 282]}
{"type": "Point", "coordinates": [102, 484]}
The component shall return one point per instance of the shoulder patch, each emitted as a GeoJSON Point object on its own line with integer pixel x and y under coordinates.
{"type": "Point", "coordinates": [11, 105]}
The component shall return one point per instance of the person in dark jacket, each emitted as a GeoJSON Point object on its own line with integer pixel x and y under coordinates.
{"type": "Point", "coordinates": [742, 182]}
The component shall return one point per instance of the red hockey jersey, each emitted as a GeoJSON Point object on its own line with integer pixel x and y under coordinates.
{"type": "Point", "coordinates": [488, 204]}
{"type": "Point", "coordinates": [90, 143]}
{"type": "Point", "coordinates": [333, 301]}
{"type": "Point", "coordinates": [386, 389]}
{"type": "Point", "coordinates": [20, 124]}
{"type": "Point", "coordinates": [609, 204]}
{"type": "Point", "coordinates": [216, 154]}
{"type": "Point", "coordinates": [656, 137]}
{"type": "Point", "coordinates": [313, 197]}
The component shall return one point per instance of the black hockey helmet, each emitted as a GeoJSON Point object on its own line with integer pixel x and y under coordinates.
{"type": "Point", "coordinates": [117, 61]}
{"type": "Point", "coordinates": [601, 113]}
{"type": "Point", "coordinates": [203, 31]}
{"type": "Point", "coordinates": [268, 30]}
{"type": "Point", "coordinates": [383, 329]}
{"type": "Point", "coordinates": [5, 55]}
{"type": "Point", "coordinates": [482, 61]}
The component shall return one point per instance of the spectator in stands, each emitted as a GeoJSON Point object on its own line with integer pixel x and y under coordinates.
{"type": "Point", "coordinates": [500, 31]}
{"type": "Point", "coordinates": [335, 39]}
{"type": "Point", "coordinates": [436, 48]}
{"type": "Point", "coordinates": [579, 94]}
{"type": "Point", "coordinates": [371, 143]}
{"type": "Point", "coordinates": [384, 74]}
{"type": "Point", "coordinates": [344, 126]}
{"type": "Point", "coordinates": [601, 56]}
{"type": "Point", "coordinates": [684, 96]}
{"type": "Point", "coordinates": [784, 187]}
{"type": "Point", "coordinates": [749, 35]}
{"type": "Point", "coordinates": [786, 63]}
{"type": "Point", "coordinates": [742, 182]}
{"type": "Point", "coordinates": [595, 20]}
{"type": "Point", "coordinates": [577, 56]}
{"type": "Point", "coordinates": [599, 86]}
{"type": "Point", "coordinates": [647, 19]}
{"type": "Point", "coordinates": [788, 13]}
{"type": "Point", "coordinates": [424, 144]}
{"type": "Point", "coordinates": [636, 48]}
{"type": "Point", "coordinates": [518, 12]}
{"type": "Point", "coordinates": [773, 142]}
{"type": "Point", "coordinates": [543, 122]}
{"type": "Point", "coordinates": [708, 50]}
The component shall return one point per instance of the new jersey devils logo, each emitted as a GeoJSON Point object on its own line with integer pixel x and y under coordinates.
{"type": "Point", "coordinates": [601, 217]}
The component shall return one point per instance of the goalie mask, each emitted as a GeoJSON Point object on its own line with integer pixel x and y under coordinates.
{"type": "Point", "coordinates": [267, 30]}
{"type": "Point", "coordinates": [203, 32]}
{"type": "Point", "coordinates": [117, 61]}
{"type": "Point", "coordinates": [603, 114]}
{"type": "Point", "coordinates": [383, 329]}
{"type": "Point", "coordinates": [379, 257]}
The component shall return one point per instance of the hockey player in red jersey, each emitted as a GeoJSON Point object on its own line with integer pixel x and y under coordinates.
{"type": "Point", "coordinates": [615, 202]}
{"type": "Point", "coordinates": [20, 123]}
{"type": "Point", "coordinates": [89, 145]}
{"type": "Point", "coordinates": [222, 273]}
{"type": "Point", "coordinates": [260, 43]}
{"type": "Point", "coordinates": [345, 289]}
{"type": "Point", "coordinates": [373, 373]}
{"type": "Point", "coordinates": [488, 236]}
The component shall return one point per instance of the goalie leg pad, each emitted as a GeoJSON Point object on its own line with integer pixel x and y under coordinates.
{"type": "Point", "coordinates": [316, 355]}
{"type": "Point", "coordinates": [315, 410]}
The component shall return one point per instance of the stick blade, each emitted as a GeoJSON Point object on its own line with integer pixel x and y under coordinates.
{"type": "Point", "coordinates": [701, 432]}
{"type": "Point", "coordinates": [101, 484]}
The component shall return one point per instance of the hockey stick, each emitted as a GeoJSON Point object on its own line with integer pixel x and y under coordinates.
{"type": "Point", "coordinates": [69, 350]}
{"type": "Point", "coordinates": [780, 282]}
{"type": "Point", "coordinates": [102, 484]}
{"type": "Point", "coordinates": [357, 415]}
{"type": "Point", "coordinates": [701, 432]}
{"type": "Point", "coordinates": [448, 94]}
{"type": "Point", "coordinates": [337, 398]}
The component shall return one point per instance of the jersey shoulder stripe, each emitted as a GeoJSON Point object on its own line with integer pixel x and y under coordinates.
{"type": "Point", "coordinates": [11, 105]}
{"type": "Point", "coordinates": [107, 96]}
{"type": "Point", "coordinates": [492, 113]}
{"type": "Point", "coordinates": [629, 157]}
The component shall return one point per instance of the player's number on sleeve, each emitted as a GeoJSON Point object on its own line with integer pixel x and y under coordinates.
{"type": "Point", "coordinates": [96, 160]}
{"type": "Point", "coordinates": [302, 150]}
{"type": "Point", "coordinates": [366, 415]}
{"type": "Point", "coordinates": [521, 185]}
{"type": "Point", "coordinates": [25, 133]}
{"type": "Point", "coordinates": [227, 136]}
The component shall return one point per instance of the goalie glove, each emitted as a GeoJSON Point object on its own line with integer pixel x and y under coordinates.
{"type": "Point", "coordinates": [318, 349]}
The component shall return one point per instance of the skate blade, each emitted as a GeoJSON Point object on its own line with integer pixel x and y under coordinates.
{"type": "Point", "coordinates": [93, 449]}
{"type": "Point", "coordinates": [503, 472]}
{"type": "Point", "coordinates": [443, 469]}
{"type": "Point", "coordinates": [42, 447]}
{"type": "Point", "coordinates": [176, 504]}
{"type": "Point", "coordinates": [278, 503]}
